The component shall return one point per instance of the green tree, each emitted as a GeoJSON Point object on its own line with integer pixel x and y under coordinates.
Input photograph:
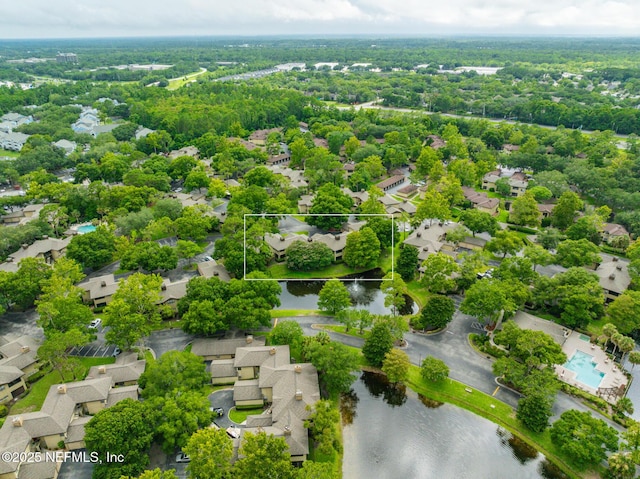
{"type": "Point", "coordinates": [624, 311]}
{"type": "Point", "coordinates": [322, 424]}
{"type": "Point", "coordinates": [378, 343]}
{"type": "Point", "coordinates": [122, 429]}
{"type": "Point", "coordinates": [149, 256]}
{"type": "Point", "coordinates": [438, 271]}
{"type": "Point", "coordinates": [565, 210]}
{"type": "Point", "coordinates": [167, 208]}
{"type": "Point", "coordinates": [305, 256]}
{"type": "Point", "coordinates": [362, 248]}
{"type": "Point", "coordinates": [434, 205]}
{"type": "Point", "coordinates": [133, 311]}
{"type": "Point", "coordinates": [394, 289]}
{"type": "Point", "coordinates": [524, 211]}
{"type": "Point", "coordinates": [156, 473]}
{"type": "Point", "coordinates": [537, 255]}
{"type": "Point", "coordinates": [437, 312]}
{"type": "Point", "coordinates": [179, 414]}
{"type": "Point", "coordinates": [210, 450]}
{"type": "Point", "coordinates": [54, 350]}
{"type": "Point", "coordinates": [334, 297]}
{"type": "Point", "coordinates": [385, 230]}
{"type": "Point", "coordinates": [577, 253]}
{"type": "Point", "coordinates": [177, 371]}
{"type": "Point", "coordinates": [534, 412]}
{"type": "Point", "coordinates": [287, 332]}
{"type": "Point", "coordinates": [485, 299]}
{"type": "Point", "coordinates": [503, 187]}
{"type": "Point", "coordinates": [263, 456]}
{"type": "Point", "coordinates": [205, 317]}
{"type": "Point", "coordinates": [505, 242]}
{"type": "Point", "coordinates": [330, 200]}
{"type": "Point", "coordinates": [584, 438]}
{"type": "Point", "coordinates": [25, 285]}
{"type": "Point", "coordinates": [478, 221]}
{"type": "Point", "coordinates": [634, 358]}
{"type": "Point", "coordinates": [396, 366]}
{"type": "Point", "coordinates": [334, 361]}
{"type": "Point", "coordinates": [541, 193]}
{"type": "Point", "coordinates": [407, 262]}
{"type": "Point", "coordinates": [94, 249]}
{"type": "Point", "coordinates": [549, 238]}
{"type": "Point", "coordinates": [433, 369]}
{"type": "Point", "coordinates": [188, 249]}
{"type": "Point", "coordinates": [621, 466]}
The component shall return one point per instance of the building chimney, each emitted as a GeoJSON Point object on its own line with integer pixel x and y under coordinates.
{"type": "Point", "coordinates": [619, 267]}
{"type": "Point", "coordinates": [418, 234]}
{"type": "Point", "coordinates": [62, 389]}
{"type": "Point", "coordinates": [298, 395]}
{"type": "Point", "coordinates": [215, 273]}
{"type": "Point", "coordinates": [17, 421]}
{"type": "Point", "coordinates": [103, 284]}
{"type": "Point", "coordinates": [287, 431]}
{"type": "Point", "coordinates": [426, 248]}
{"type": "Point", "coordinates": [615, 259]}
{"type": "Point", "coordinates": [612, 276]}
{"type": "Point", "coordinates": [272, 351]}
{"type": "Point", "coordinates": [337, 237]}
{"type": "Point", "coordinates": [249, 339]}
{"type": "Point", "coordinates": [163, 287]}
{"type": "Point", "coordinates": [25, 349]}
{"type": "Point", "coordinates": [297, 368]}
{"type": "Point", "coordinates": [281, 238]}
{"type": "Point", "coordinates": [309, 240]}
{"type": "Point", "coordinates": [25, 245]}
{"type": "Point", "coordinates": [45, 237]}
{"type": "Point", "coordinates": [102, 370]}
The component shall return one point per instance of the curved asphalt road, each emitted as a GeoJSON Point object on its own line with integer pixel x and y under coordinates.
{"type": "Point", "coordinates": [452, 346]}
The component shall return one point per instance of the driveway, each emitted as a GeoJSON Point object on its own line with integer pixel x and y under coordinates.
{"type": "Point", "coordinates": [168, 340]}
{"type": "Point", "coordinates": [21, 324]}
{"type": "Point", "coordinates": [224, 399]}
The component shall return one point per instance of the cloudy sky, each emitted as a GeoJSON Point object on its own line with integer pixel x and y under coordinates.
{"type": "Point", "coordinates": [116, 18]}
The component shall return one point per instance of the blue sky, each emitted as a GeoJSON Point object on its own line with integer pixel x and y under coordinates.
{"type": "Point", "coordinates": [116, 18]}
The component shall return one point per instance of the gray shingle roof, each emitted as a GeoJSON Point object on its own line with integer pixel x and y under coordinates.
{"type": "Point", "coordinates": [223, 347]}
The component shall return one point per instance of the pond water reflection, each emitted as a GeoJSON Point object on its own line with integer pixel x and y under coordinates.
{"type": "Point", "coordinates": [394, 435]}
{"type": "Point", "coordinates": [364, 294]}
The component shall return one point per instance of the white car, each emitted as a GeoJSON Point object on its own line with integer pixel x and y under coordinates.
{"type": "Point", "coordinates": [182, 457]}
{"type": "Point", "coordinates": [95, 323]}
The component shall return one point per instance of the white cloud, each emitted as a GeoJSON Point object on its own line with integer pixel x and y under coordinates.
{"type": "Point", "coordinates": [63, 18]}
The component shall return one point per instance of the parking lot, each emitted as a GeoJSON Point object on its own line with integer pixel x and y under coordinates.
{"type": "Point", "coordinates": [96, 349]}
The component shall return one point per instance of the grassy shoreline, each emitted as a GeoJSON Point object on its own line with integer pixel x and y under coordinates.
{"type": "Point", "coordinates": [477, 402]}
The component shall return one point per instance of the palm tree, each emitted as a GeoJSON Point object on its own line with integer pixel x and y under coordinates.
{"type": "Point", "coordinates": [634, 358]}
{"type": "Point", "coordinates": [624, 406]}
{"type": "Point", "coordinates": [626, 345]}
{"type": "Point", "coordinates": [609, 330]}
{"type": "Point", "coordinates": [615, 339]}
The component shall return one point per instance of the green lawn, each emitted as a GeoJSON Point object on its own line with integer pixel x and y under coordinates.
{"type": "Point", "coordinates": [418, 292]}
{"type": "Point", "coordinates": [240, 416]}
{"type": "Point", "coordinates": [35, 397]}
{"type": "Point", "coordinates": [9, 153]}
{"type": "Point", "coordinates": [280, 270]}
{"type": "Point", "coordinates": [355, 332]}
{"type": "Point", "coordinates": [503, 216]}
{"type": "Point", "coordinates": [482, 404]}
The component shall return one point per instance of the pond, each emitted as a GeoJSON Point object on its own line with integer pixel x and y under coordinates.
{"type": "Point", "coordinates": [393, 434]}
{"type": "Point", "coordinates": [365, 294]}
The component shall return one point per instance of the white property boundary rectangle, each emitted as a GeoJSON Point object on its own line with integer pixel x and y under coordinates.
{"type": "Point", "coordinates": [269, 215]}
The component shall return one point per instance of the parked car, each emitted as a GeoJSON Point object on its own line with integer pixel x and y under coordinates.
{"type": "Point", "coordinates": [182, 457]}
{"type": "Point", "coordinates": [116, 352]}
{"type": "Point", "coordinates": [208, 258]}
{"type": "Point", "coordinates": [218, 411]}
{"type": "Point", "coordinates": [95, 323]}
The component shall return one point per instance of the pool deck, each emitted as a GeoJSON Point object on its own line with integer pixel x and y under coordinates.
{"type": "Point", "coordinates": [613, 376]}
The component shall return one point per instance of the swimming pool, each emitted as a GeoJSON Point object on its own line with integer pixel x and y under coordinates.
{"type": "Point", "coordinates": [582, 364]}
{"type": "Point", "coordinates": [85, 229]}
